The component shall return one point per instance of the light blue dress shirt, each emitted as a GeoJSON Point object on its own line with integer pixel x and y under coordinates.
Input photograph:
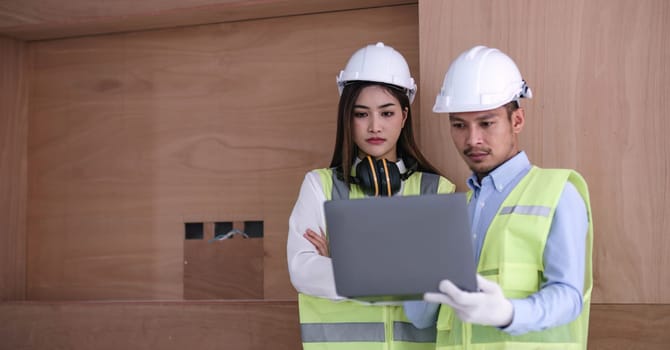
{"type": "Point", "coordinates": [559, 300]}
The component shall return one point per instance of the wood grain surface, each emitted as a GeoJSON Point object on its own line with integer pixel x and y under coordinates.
{"type": "Point", "coordinates": [600, 76]}
{"type": "Point", "coordinates": [13, 168]}
{"type": "Point", "coordinates": [43, 19]}
{"type": "Point", "coordinates": [252, 325]}
{"type": "Point", "coordinates": [247, 325]}
{"type": "Point", "coordinates": [132, 135]}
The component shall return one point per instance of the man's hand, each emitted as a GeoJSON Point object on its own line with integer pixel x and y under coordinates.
{"type": "Point", "coordinates": [318, 240]}
{"type": "Point", "coordinates": [486, 307]}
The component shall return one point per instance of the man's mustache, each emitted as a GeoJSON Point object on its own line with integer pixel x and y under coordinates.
{"type": "Point", "coordinates": [470, 150]}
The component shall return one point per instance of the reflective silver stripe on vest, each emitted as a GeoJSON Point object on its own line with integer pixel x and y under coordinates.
{"type": "Point", "coordinates": [429, 183]}
{"type": "Point", "coordinates": [536, 210]}
{"type": "Point", "coordinates": [340, 189]}
{"type": "Point", "coordinates": [405, 331]}
{"type": "Point", "coordinates": [342, 332]}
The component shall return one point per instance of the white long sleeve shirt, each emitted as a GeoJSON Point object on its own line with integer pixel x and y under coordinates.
{"type": "Point", "coordinates": [310, 272]}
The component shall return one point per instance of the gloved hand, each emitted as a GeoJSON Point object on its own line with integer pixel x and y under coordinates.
{"type": "Point", "coordinates": [486, 307]}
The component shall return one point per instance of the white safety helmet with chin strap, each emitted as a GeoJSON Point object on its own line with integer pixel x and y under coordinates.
{"type": "Point", "coordinates": [480, 79]}
{"type": "Point", "coordinates": [381, 64]}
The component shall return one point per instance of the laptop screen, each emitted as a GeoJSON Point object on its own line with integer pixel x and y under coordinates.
{"type": "Point", "coordinates": [397, 248]}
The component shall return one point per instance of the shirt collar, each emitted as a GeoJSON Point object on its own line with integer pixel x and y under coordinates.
{"type": "Point", "coordinates": [504, 174]}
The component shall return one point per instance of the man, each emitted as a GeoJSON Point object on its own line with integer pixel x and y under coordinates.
{"type": "Point", "coordinates": [532, 228]}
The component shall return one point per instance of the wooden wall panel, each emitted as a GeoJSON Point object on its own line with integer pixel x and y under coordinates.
{"type": "Point", "coordinates": [13, 170]}
{"type": "Point", "coordinates": [134, 134]}
{"type": "Point", "coordinates": [150, 325]}
{"type": "Point", "coordinates": [600, 74]}
{"type": "Point", "coordinates": [225, 269]}
{"type": "Point", "coordinates": [43, 19]}
{"type": "Point", "coordinates": [246, 325]}
{"type": "Point", "coordinates": [629, 327]}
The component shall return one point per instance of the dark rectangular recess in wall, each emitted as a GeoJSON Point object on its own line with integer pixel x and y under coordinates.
{"type": "Point", "coordinates": [222, 228]}
{"type": "Point", "coordinates": [254, 229]}
{"type": "Point", "coordinates": [194, 230]}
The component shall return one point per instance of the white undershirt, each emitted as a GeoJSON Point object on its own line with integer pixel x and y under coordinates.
{"type": "Point", "coordinates": [310, 272]}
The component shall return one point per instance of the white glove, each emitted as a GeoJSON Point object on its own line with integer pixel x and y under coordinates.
{"type": "Point", "coordinates": [486, 307]}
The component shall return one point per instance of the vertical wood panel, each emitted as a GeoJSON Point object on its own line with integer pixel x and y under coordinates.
{"type": "Point", "coordinates": [226, 269]}
{"type": "Point", "coordinates": [13, 171]}
{"type": "Point", "coordinates": [600, 73]}
{"type": "Point", "coordinates": [134, 134]}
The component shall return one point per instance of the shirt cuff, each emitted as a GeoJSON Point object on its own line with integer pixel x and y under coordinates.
{"type": "Point", "coordinates": [519, 323]}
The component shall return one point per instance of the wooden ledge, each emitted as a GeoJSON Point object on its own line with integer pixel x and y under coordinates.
{"type": "Point", "coordinates": [238, 324]}
{"type": "Point", "coordinates": [246, 324]}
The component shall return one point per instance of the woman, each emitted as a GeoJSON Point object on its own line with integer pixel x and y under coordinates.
{"type": "Point", "coordinates": [375, 154]}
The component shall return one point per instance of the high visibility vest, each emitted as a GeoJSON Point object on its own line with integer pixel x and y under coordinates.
{"type": "Point", "coordinates": [512, 256]}
{"type": "Point", "coordinates": [349, 325]}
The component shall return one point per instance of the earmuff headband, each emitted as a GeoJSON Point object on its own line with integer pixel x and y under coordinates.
{"type": "Point", "coordinates": [369, 177]}
{"type": "Point", "coordinates": [388, 179]}
{"type": "Point", "coordinates": [374, 175]}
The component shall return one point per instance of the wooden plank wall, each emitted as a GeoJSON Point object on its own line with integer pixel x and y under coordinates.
{"type": "Point", "coordinates": [44, 19]}
{"type": "Point", "coordinates": [132, 135]}
{"type": "Point", "coordinates": [600, 74]}
{"type": "Point", "coordinates": [13, 171]}
{"type": "Point", "coordinates": [245, 325]}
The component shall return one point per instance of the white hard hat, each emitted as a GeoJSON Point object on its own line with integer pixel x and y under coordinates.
{"type": "Point", "coordinates": [480, 79]}
{"type": "Point", "coordinates": [378, 63]}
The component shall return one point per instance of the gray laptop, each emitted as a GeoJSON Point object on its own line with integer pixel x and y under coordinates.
{"type": "Point", "coordinates": [397, 248]}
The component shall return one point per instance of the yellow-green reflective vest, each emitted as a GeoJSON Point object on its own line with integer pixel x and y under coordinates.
{"type": "Point", "coordinates": [349, 325]}
{"type": "Point", "coordinates": [512, 256]}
